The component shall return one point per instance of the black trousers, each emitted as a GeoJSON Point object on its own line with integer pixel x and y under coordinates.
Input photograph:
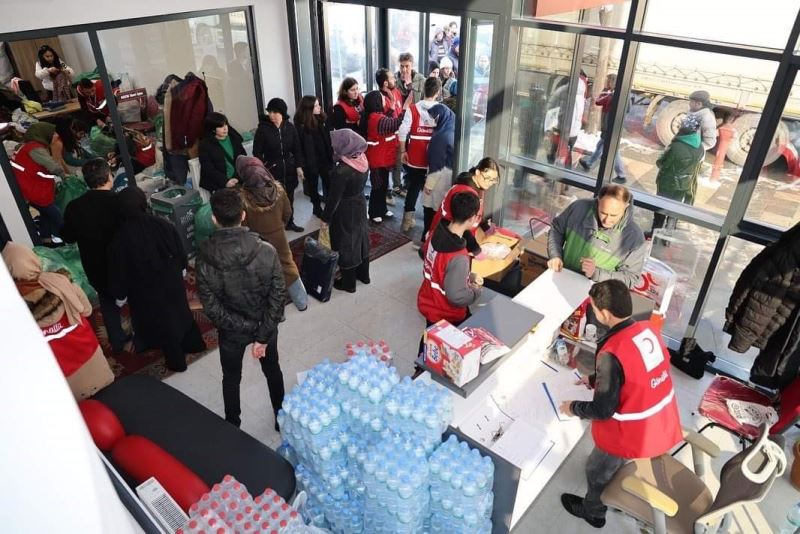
{"type": "Point", "coordinates": [415, 181]}
{"type": "Point", "coordinates": [289, 183]}
{"type": "Point", "coordinates": [231, 352]}
{"type": "Point", "coordinates": [427, 219]}
{"type": "Point", "coordinates": [349, 276]}
{"type": "Point", "coordinates": [311, 186]}
{"type": "Point", "coordinates": [113, 322]}
{"type": "Point", "coordinates": [379, 179]}
{"type": "Point", "coordinates": [175, 350]}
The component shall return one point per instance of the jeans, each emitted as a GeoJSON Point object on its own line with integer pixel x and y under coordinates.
{"type": "Point", "coordinates": [50, 220]}
{"type": "Point", "coordinates": [619, 167]}
{"type": "Point", "coordinates": [664, 221]}
{"type": "Point", "coordinates": [379, 179]}
{"type": "Point", "coordinates": [297, 292]}
{"type": "Point", "coordinates": [600, 470]}
{"type": "Point", "coordinates": [415, 181]}
{"type": "Point", "coordinates": [231, 352]}
{"type": "Point", "coordinates": [116, 335]}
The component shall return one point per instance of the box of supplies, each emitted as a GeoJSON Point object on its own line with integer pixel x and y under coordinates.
{"type": "Point", "coordinates": [451, 353]}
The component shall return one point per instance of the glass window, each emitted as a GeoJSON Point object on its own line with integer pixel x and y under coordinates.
{"type": "Point", "coordinates": [404, 36]}
{"type": "Point", "coordinates": [347, 43]}
{"type": "Point", "coordinates": [448, 46]}
{"type": "Point", "coordinates": [595, 13]}
{"type": "Point", "coordinates": [776, 199]}
{"type": "Point", "coordinates": [726, 89]}
{"type": "Point", "coordinates": [480, 90]}
{"type": "Point", "coordinates": [550, 98]}
{"type": "Point", "coordinates": [709, 334]}
{"type": "Point", "coordinates": [766, 24]}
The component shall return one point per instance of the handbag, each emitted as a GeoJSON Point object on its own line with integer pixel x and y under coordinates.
{"type": "Point", "coordinates": [325, 237]}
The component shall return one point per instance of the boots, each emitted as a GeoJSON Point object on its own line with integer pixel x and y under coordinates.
{"type": "Point", "coordinates": [408, 221]}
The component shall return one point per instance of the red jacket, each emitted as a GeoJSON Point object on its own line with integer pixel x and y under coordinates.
{"type": "Point", "coordinates": [38, 186]}
{"type": "Point", "coordinates": [646, 423]}
{"type": "Point", "coordinates": [444, 211]}
{"type": "Point", "coordinates": [432, 300]}
{"type": "Point", "coordinates": [418, 139]}
{"type": "Point", "coordinates": [189, 107]}
{"type": "Point", "coordinates": [381, 150]}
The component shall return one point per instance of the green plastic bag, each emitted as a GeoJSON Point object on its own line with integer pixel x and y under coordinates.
{"type": "Point", "coordinates": [203, 225]}
{"type": "Point", "coordinates": [100, 143]}
{"type": "Point", "coordinates": [67, 257]}
{"type": "Point", "coordinates": [68, 190]}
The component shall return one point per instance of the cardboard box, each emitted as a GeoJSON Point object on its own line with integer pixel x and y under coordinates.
{"type": "Point", "coordinates": [533, 259]}
{"type": "Point", "coordinates": [496, 269]}
{"type": "Point", "coordinates": [451, 353]}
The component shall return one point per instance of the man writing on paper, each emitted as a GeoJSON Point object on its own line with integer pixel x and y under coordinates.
{"type": "Point", "coordinates": [599, 238]}
{"type": "Point", "coordinates": [634, 413]}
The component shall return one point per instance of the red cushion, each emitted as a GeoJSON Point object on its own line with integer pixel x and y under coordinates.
{"type": "Point", "coordinates": [142, 459]}
{"type": "Point", "coordinates": [104, 426]}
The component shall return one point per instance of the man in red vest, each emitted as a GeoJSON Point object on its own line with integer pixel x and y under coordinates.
{"type": "Point", "coordinates": [634, 413]}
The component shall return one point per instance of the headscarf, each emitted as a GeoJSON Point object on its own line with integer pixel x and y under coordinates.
{"type": "Point", "coordinates": [24, 266]}
{"type": "Point", "coordinates": [349, 147]}
{"type": "Point", "coordinates": [440, 148]}
{"type": "Point", "coordinates": [257, 181]}
{"type": "Point", "coordinates": [40, 132]}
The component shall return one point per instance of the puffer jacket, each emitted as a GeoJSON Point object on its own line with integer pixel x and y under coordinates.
{"type": "Point", "coordinates": [766, 295]}
{"type": "Point", "coordinates": [279, 149]}
{"type": "Point", "coordinates": [679, 164]}
{"type": "Point", "coordinates": [240, 283]}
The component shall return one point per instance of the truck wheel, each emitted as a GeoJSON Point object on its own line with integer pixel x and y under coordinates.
{"type": "Point", "coordinates": [669, 120]}
{"type": "Point", "coordinates": [745, 130]}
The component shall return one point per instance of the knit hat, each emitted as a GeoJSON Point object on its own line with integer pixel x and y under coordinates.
{"type": "Point", "coordinates": [278, 105]}
{"type": "Point", "coordinates": [446, 63]}
{"type": "Point", "coordinates": [689, 124]}
{"type": "Point", "coordinates": [432, 66]}
{"type": "Point", "coordinates": [701, 96]}
{"type": "Point", "coordinates": [41, 132]}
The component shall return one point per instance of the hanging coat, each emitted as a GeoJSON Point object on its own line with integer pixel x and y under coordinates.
{"type": "Point", "coordinates": [346, 213]}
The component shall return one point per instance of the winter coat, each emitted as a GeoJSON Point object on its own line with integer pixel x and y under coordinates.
{"type": "Point", "coordinates": [438, 49]}
{"type": "Point", "coordinates": [189, 106]}
{"type": "Point", "coordinates": [279, 149]}
{"type": "Point", "coordinates": [679, 165]}
{"type": "Point", "coordinates": [618, 252]}
{"type": "Point", "coordinates": [269, 222]}
{"type": "Point", "coordinates": [317, 151]}
{"type": "Point", "coordinates": [213, 172]}
{"type": "Point", "coordinates": [708, 127]}
{"type": "Point", "coordinates": [417, 85]}
{"type": "Point", "coordinates": [240, 283]}
{"type": "Point", "coordinates": [346, 213]}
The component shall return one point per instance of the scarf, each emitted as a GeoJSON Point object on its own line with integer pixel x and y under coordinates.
{"type": "Point", "coordinates": [257, 181]}
{"type": "Point", "coordinates": [61, 86]}
{"type": "Point", "coordinates": [440, 147]}
{"type": "Point", "coordinates": [40, 132]}
{"type": "Point", "coordinates": [349, 148]}
{"type": "Point", "coordinates": [24, 265]}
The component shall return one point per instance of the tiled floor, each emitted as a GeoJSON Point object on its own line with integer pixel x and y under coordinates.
{"type": "Point", "coordinates": [386, 309]}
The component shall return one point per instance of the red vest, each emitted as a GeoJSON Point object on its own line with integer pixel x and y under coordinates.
{"type": "Point", "coordinates": [38, 186]}
{"type": "Point", "coordinates": [381, 150]}
{"type": "Point", "coordinates": [396, 104]}
{"type": "Point", "coordinates": [431, 299]}
{"type": "Point", "coordinates": [72, 345]}
{"type": "Point", "coordinates": [444, 210]}
{"type": "Point", "coordinates": [418, 138]}
{"type": "Point", "coordinates": [646, 423]}
{"type": "Point", "coordinates": [352, 114]}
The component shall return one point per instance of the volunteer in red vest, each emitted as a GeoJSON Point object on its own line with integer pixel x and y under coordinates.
{"type": "Point", "coordinates": [393, 102]}
{"type": "Point", "coordinates": [37, 172]}
{"type": "Point", "coordinates": [348, 107]}
{"type": "Point", "coordinates": [478, 179]}
{"type": "Point", "coordinates": [448, 287]}
{"type": "Point", "coordinates": [415, 135]}
{"type": "Point", "coordinates": [634, 413]}
{"type": "Point", "coordinates": [380, 131]}
{"type": "Point", "coordinates": [92, 99]}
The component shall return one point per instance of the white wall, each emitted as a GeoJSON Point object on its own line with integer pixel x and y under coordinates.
{"type": "Point", "coordinates": [272, 33]}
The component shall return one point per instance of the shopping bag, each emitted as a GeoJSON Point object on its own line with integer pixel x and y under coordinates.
{"type": "Point", "coordinates": [325, 237]}
{"type": "Point", "coordinates": [100, 143]}
{"type": "Point", "coordinates": [68, 258]}
{"type": "Point", "coordinates": [203, 224]}
{"type": "Point", "coordinates": [586, 142]}
{"type": "Point", "coordinates": [68, 190]}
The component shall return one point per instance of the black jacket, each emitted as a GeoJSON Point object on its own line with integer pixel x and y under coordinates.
{"type": "Point", "coordinates": [240, 283]}
{"type": "Point", "coordinates": [763, 308]}
{"type": "Point", "coordinates": [317, 150]}
{"type": "Point", "coordinates": [279, 149]}
{"type": "Point", "coordinates": [212, 160]}
{"type": "Point", "coordinates": [92, 221]}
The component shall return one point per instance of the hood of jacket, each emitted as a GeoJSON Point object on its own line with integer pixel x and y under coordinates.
{"type": "Point", "coordinates": [230, 248]}
{"type": "Point", "coordinates": [692, 139]}
{"type": "Point", "coordinates": [257, 201]}
{"type": "Point", "coordinates": [443, 240]}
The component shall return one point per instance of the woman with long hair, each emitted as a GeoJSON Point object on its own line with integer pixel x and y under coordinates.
{"type": "Point", "coordinates": [55, 75]}
{"type": "Point", "coordinates": [71, 153]}
{"type": "Point", "coordinates": [309, 119]}
{"type": "Point", "coordinates": [349, 106]}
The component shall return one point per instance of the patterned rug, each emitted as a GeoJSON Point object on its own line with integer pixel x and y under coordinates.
{"type": "Point", "coordinates": [151, 362]}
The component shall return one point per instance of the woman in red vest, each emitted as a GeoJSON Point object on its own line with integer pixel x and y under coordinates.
{"type": "Point", "coordinates": [348, 108]}
{"type": "Point", "coordinates": [634, 413]}
{"type": "Point", "coordinates": [380, 129]}
{"type": "Point", "coordinates": [37, 172]}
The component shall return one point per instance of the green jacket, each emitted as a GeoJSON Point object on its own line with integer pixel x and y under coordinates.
{"type": "Point", "coordinates": [618, 252]}
{"type": "Point", "coordinates": [679, 164]}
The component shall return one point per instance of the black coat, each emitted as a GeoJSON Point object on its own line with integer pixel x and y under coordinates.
{"type": "Point", "coordinates": [240, 283]}
{"type": "Point", "coordinates": [280, 150]}
{"type": "Point", "coordinates": [146, 262]}
{"type": "Point", "coordinates": [346, 213]}
{"type": "Point", "coordinates": [763, 308]}
{"type": "Point", "coordinates": [317, 151]}
{"type": "Point", "coordinates": [92, 221]}
{"type": "Point", "coordinates": [213, 174]}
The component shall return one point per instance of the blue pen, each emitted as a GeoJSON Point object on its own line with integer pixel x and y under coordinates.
{"type": "Point", "coordinates": [549, 366]}
{"type": "Point", "coordinates": [578, 374]}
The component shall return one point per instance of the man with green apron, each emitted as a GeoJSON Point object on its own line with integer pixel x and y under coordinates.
{"type": "Point", "coordinates": [599, 238]}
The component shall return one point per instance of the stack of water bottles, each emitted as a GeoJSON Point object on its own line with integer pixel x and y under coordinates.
{"type": "Point", "coordinates": [230, 509]}
{"type": "Point", "coordinates": [420, 410]}
{"type": "Point", "coordinates": [461, 489]}
{"type": "Point", "coordinates": [364, 381]}
{"type": "Point", "coordinates": [377, 349]}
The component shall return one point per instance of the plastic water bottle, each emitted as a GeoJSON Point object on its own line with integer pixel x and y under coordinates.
{"type": "Point", "coordinates": [792, 522]}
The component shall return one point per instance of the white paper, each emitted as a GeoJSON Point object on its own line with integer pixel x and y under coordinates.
{"type": "Point", "coordinates": [487, 423]}
{"type": "Point", "coordinates": [562, 387]}
{"type": "Point", "coordinates": [453, 337]}
{"type": "Point", "coordinates": [523, 445]}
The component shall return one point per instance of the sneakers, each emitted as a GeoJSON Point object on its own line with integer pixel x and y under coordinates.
{"type": "Point", "coordinates": [619, 180]}
{"type": "Point", "coordinates": [388, 214]}
{"type": "Point", "coordinates": [377, 220]}
{"type": "Point", "coordinates": [574, 505]}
